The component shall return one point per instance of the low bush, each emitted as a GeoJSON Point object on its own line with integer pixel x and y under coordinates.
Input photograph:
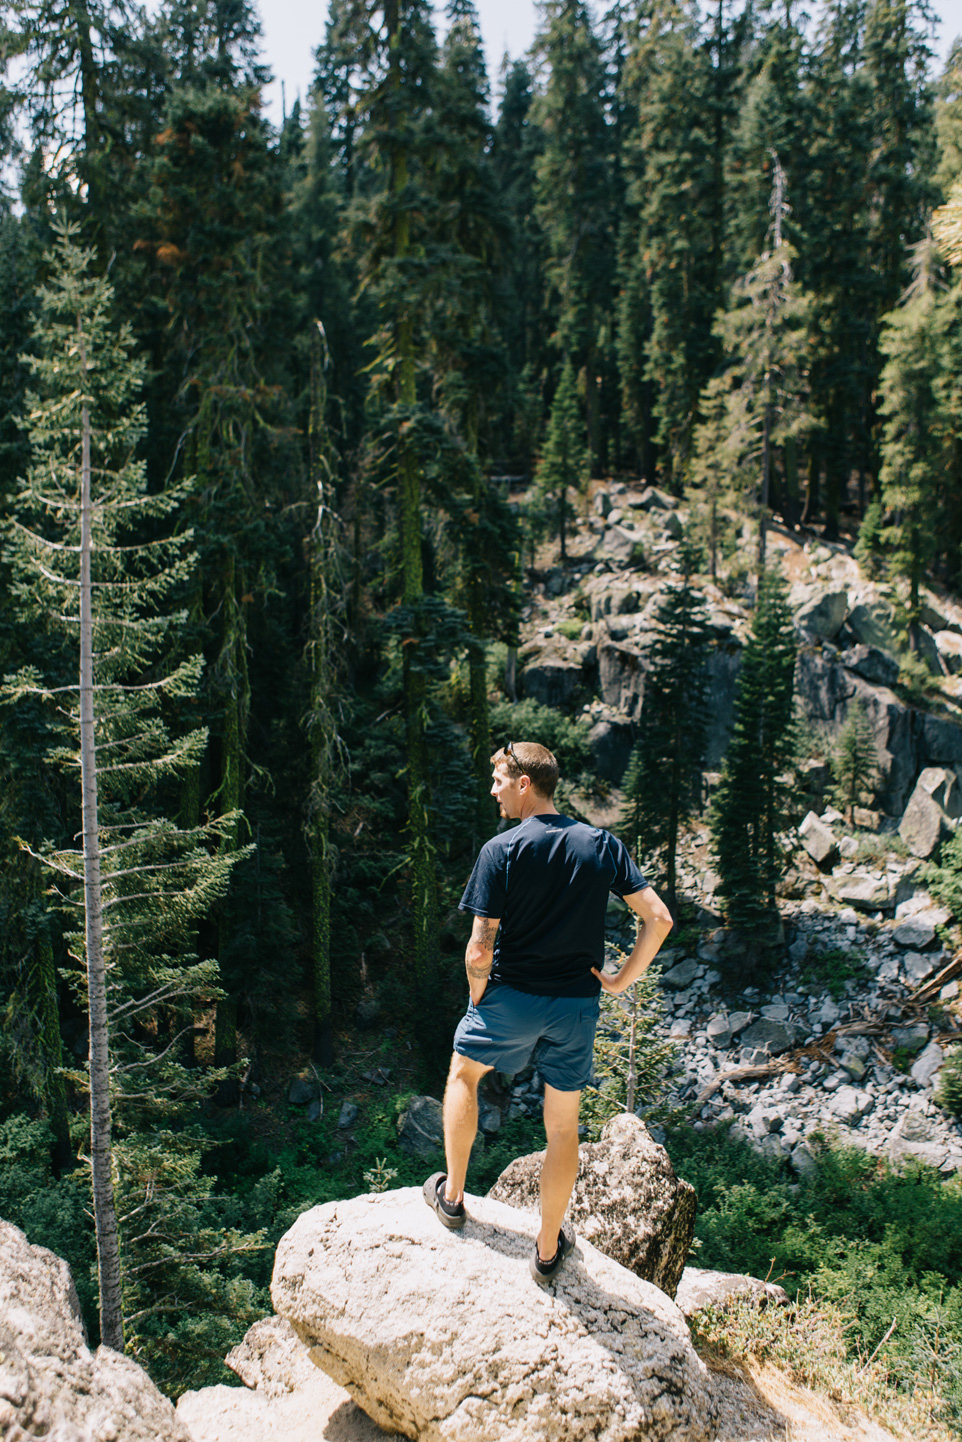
{"type": "Point", "coordinates": [879, 1250]}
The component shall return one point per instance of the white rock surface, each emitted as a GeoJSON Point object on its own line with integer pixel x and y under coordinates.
{"type": "Point", "coordinates": [285, 1396]}
{"type": "Point", "coordinates": [444, 1335]}
{"type": "Point", "coordinates": [51, 1384]}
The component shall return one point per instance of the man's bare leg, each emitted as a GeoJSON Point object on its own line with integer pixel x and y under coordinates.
{"type": "Point", "coordinates": [560, 1167]}
{"type": "Point", "coordinates": [460, 1121]}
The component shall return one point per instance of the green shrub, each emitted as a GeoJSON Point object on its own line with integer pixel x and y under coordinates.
{"type": "Point", "coordinates": [948, 1094]}
{"type": "Point", "coordinates": [832, 970]}
{"type": "Point", "coordinates": [529, 720]}
{"type": "Point", "coordinates": [571, 629]}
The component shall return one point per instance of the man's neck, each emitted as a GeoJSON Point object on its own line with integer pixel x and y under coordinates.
{"type": "Point", "coordinates": [536, 806]}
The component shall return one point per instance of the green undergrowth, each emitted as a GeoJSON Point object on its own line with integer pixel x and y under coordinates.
{"type": "Point", "coordinates": [832, 970]}
{"type": "Point", "coordinates": [875, 1252]}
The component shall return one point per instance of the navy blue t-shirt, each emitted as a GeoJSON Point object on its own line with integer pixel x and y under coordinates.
{"type": "Point", "coordinates": [548, 880]}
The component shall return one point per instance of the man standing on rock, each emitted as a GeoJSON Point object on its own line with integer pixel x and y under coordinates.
{"type": "Point", "coordinates": [538, 894]}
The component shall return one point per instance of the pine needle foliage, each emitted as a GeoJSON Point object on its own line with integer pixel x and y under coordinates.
{"type": "Point", "coordinates": [86, 530]}
{"type": "Point", "coordinates": [855, 764]}
{"type": "Point", "coordinates": [750, 801]}
{"type": "Point", "coordinates": [663, 782]}
{"type": "Point", "coordinates": [563, 465]}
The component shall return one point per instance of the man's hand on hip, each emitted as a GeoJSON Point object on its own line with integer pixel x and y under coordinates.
{"type": "Point", "coordinates": [656, 923]}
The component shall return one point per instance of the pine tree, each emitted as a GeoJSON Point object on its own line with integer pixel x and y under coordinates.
{"type": "Point", "coordinates": [748, 805]}
{"type": "Point", "coordinates": [91, 561]}
{"type": "Point", "coordinates": [916, 468]}
{"type": "Point", "coordinates": [670, 270]}
{"type": "Point", "coordinates": [663, 783]}
{"type": "Point", "coordinates": [573, 200]}
{"type": "Point", "coordinates": [755, 412]}
{"type": "Point", "coordinates": [563, 465]}
{"type": "Point", "coordinates": [855, 763]}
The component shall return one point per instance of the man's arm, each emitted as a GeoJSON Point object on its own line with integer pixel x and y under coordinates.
{"type": "Point", "coordinates": [479, 954]}
{"type": "Point", "coordinates": [656, 923]}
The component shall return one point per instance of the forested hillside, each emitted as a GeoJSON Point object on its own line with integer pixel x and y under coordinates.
{"type": "Point", "coordinates": [336, 394]}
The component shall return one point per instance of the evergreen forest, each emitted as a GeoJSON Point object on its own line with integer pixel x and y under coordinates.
{"type": "Point", "coordinates": [289, 420]}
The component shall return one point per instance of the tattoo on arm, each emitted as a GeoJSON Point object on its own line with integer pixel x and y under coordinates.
{"type": "Point", "coordinates": [483, 932]}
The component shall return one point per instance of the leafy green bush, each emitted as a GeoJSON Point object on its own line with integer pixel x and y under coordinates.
{"type": "Point", "coordinates": [832, 970]}
{"type": "Point", "coordinates": [571, 629]}
{"type": "Point", "coordinates": [948, 1094]}
{"type": "Point", "coordinates": [874, 1244]}
{"type": "Point", "coordinates": [529, 720]}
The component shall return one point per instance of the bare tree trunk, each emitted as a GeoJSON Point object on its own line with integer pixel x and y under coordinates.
{"type": "Point", "coordinates": [105, 1215]}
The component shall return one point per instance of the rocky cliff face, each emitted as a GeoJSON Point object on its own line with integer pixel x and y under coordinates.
{"type": "Point", "coordinates": [847, 626]}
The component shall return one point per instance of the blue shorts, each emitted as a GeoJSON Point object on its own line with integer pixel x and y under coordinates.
{"type": "Point", "coordinates": [511, 1028]}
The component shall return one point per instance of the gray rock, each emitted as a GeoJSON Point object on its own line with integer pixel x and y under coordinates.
{"type": "Point", "coordinates": [933, 808]}
{"type": "Point", "coordinates": [928, 1065]}
{"type": "Point", "coordinates": [868, 893]}
{"type": "Point", "coordinates": [699, 1289]}
{"type": "Point", "coordinates": [823, 615]}
{"type": "Point", "coordinates": [803, 1161]}
{"type": "Point", "coordinates": [763, 1121]}
{"type": "Point", "coordinates": [553, 678]}
{"type": "Point", "coordinates": [918, 967]}
{"type": "Point", "coordinates": [303, 1090]}
{"type": "Point", "coordinates": [773, 1036]}
{"type": "Point", "coordinates": [854, 1065]}
{"type": "Point", "coordinates": [621, 678]}
{"type": "Point", "coordinates": [738, 1020]}
{"type": "Point", "coordinates": [610, 743]}
{"type": "Point", "coordinates": [872, 622]}
{"type": "Point", "coordinates": [619, 544]}
{"type": "Point", "coordinates": [681, 975]}
{"type": "Point", "coordinates": [347, 1116]}
{"type": "Point", "coordinates": [601, 505]}
{"type": "Point", "coordinates": [871, 664]}
{"type": "Point", "coordinates": [627, 1200]}
{"type": "Point", "coordinates": [652, 499]}
{"type": "Point", "coordinates": [718, 1030]}
{"type": "Point", "coordinates": [775, 1011]}
{"type": "Point", "coordinates": [316, 1110]}
{"type": "Point", "coordinates": [910, 1038]}
{"type": "Point", "coordinates": [421, 1128]}
{"type": "Point", "coordinates": [817, 839]}
{"type": "Point", "coordinates": [850, 1103]}
{"type": "Point", "coordinates": [392, 1305]}
{"type": "Point", "coordinates": [51, 1384]}
{"type": "Point", "coordinates": [489, 1117]}
{"type": "Point", "coordinates": [916, 1138]}
{"type": "Point", "coordinates": [828, 1013]}
{"type": "Point", "coordinates": [915, 931]}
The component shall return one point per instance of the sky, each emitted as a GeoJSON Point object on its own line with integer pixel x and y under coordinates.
{"type": "Point", "coordinates": [294, 28]}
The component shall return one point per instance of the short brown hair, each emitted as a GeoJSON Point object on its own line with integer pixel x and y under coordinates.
{"type": "Point", "coordinates": [527, 758]}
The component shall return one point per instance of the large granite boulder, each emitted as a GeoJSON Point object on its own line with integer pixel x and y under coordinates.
{"type": "Point", "coordinates": [823, 614]}
{"type": "Point", "coordinates": [51, 1384]}
{"type": "Point", "coordinates": [627, 1201]}
{"type": "Point", "coordinates": [284, 1396]}
{"type": "Point", "coordinates": [444, 1335]}
{"type": "Point", "coordinates": [932, 811]}
{"type": "Point", "coordinates": [818, 840]}
{"type": "Point", "coordinates": [872, 622]}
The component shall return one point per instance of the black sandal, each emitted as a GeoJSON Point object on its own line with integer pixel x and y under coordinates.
{"type": "Point", "coordinates": [450, 1214]}
{"type": "Point", "coordinates": [544, 1271]}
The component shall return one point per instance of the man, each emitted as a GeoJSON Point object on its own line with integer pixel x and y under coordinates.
{"type": "Point", "coordinates": [538, 894]}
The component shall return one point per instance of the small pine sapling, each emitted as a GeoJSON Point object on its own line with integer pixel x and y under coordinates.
{"type": "Point", "coordinates": [948, 1093]}
{"type": "Point", "coordinates": [632, 1054]}
{"type": "Point", "coordinates": [855, 763]}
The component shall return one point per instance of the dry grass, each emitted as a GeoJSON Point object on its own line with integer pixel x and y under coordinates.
{"type": "Point", "coordinates": [804, 1346]}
